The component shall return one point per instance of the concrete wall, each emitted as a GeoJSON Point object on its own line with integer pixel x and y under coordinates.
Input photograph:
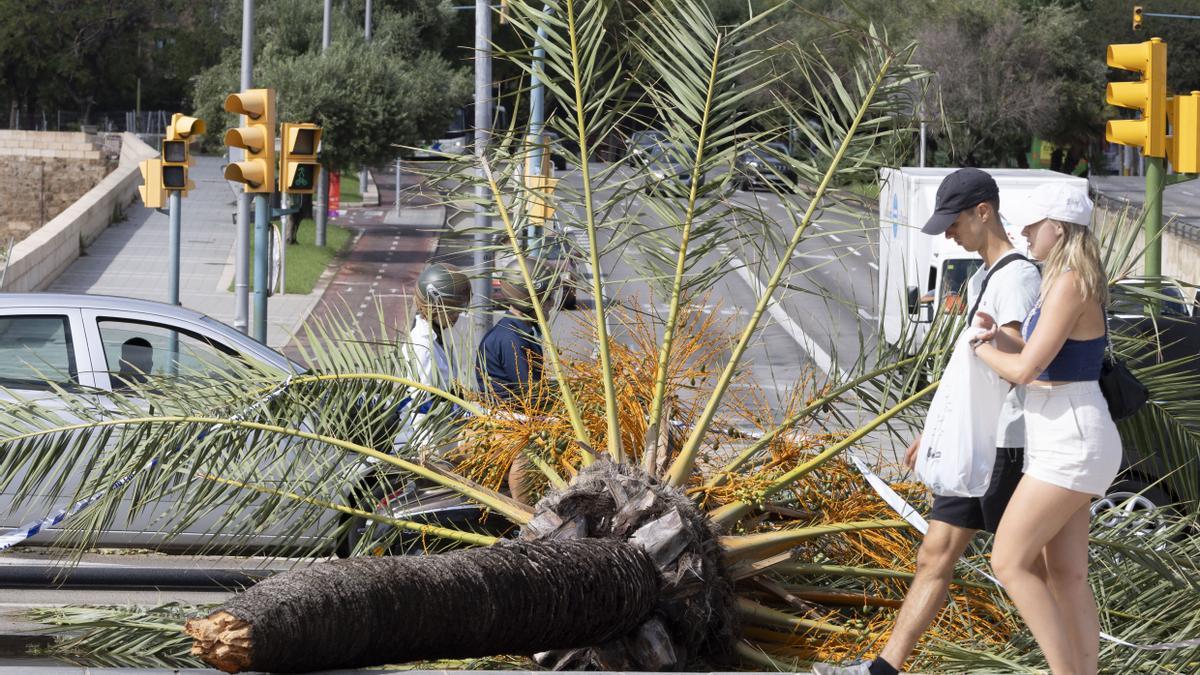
{"type": "Point", "coordinates": [43, 255]}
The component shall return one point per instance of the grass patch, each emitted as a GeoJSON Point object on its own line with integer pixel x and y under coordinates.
{"type": "Point", "coordinates": [351, 191]}
{"type": "Point", "coordinates": [305, 260]}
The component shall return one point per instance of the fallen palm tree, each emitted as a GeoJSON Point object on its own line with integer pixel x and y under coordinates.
{"type": "Point", "coordinates": [666, 534]}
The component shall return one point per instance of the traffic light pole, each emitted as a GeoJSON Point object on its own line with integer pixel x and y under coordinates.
{"type": "Point", "coordinates": [174, 206]}
{"type": "Point", "coordinates": [262, 258]}
{"type": "Point", "coordinates": [241, 244]}
{"type": "Point", "coordinates": [1153, 226]}
{"type": "Point", "coordinates": [537, 120]}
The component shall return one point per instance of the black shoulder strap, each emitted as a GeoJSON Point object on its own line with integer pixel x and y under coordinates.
{"type": "Point", "coordinates": [1003, 261]}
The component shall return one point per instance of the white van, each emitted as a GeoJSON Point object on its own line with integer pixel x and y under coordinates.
{"type": "Point", "coordinates": [919, 273]}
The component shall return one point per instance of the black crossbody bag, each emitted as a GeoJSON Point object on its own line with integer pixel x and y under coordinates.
{"type": "Point", "coordinates": [1124, 393]}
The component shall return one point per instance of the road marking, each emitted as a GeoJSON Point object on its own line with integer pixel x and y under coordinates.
{"type": "Point", "coordinates": [819, 356]}
{"type": "Point", "coordinates": [854, 251]}
{"type": "Point", "coordinates": [835, 238]}
{"type": "Point", "coordinates": [873, 266]}
{"type": "Point", "coordinates": [815, 256]}
{"type": "Point", "coordinates": [865, 314]}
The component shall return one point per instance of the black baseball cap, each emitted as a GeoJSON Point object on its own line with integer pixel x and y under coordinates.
{"type": "Point", "coordinates": [961, 190]}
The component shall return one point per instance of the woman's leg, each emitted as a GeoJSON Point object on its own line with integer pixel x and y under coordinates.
{"type": "Point", "coordinates": [1036, 514]}
{"type": "Point", "coordinates": [1067, 566]}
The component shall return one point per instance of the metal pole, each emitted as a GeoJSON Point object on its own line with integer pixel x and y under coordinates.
{"type": "Point", "coordinates": [321, 203]}
{"type": "Point", "coordinates": [921, 155]}
{"type": "Point", "coordinates": [174, 206]}
{"type": "Point", "coordinates": [1152, 229]}
{"type": "Point", "coordinates": [362, 172]}
{"type": "Point", "coordinates": [537, 120]}
{"type": "Point", "coordinates": [482, 283]}
{"type": "Point", "coordinates": [241, 243]}
{"type": "Point", "coordinates": [284, 220]}
{"type": "Point", "coordinates": [397, 186]}
{"type": "Point", "coordinates": [262, 258]}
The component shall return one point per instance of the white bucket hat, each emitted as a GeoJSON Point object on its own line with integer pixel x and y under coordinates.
{"type": "Point", "coordinates": [1064, 202]}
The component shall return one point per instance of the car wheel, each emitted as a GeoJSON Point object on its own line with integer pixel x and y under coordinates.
{"type": "Point", "coordinates": [366, 498]}
{"type": "Point", "coordinates": [1135, 506]}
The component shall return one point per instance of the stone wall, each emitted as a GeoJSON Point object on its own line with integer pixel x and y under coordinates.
{"type": "Point", "coordinates": [43, 255]}
{"type": "Point", "coordinates": [42, 173]}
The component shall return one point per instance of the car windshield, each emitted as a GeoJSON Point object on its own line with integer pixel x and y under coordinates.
{"type": "Point", "coordinates": [1126, 300]}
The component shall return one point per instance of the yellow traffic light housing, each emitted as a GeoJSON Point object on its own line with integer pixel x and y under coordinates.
{"type": "Point", "coordinates": [176, 151]}
{"type": "Point", "coordinates": [1183, 145]}
{"type": "Point", "coordinates": [1137, 17]}
{"type": "Point", "coordinates": [1148, 95]}
{"type": "Point", "coordinates": [174, 165]}
{"type": "Point", "coordinates": [540, 189]}
{"type": "Point", "coordinates": [183, 127]}
{"type": "Point", "coordinates": [257, 138]}
{"type": "Point", "coordinates": [151, 189]}
{"type": "Point", "coordinates": [298, 166]}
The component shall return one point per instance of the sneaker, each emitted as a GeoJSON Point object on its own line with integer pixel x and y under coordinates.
{"type": "Point", "coordinates": [863, 668]}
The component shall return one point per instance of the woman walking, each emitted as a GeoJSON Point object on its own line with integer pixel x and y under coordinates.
{"type": "Point", "coordinates": [1072, 449]}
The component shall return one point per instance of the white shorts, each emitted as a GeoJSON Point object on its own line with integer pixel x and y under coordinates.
{"type": "Point", "coordinates": [1070, 438]}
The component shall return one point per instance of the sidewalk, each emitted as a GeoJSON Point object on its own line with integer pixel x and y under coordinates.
{"type": "Point", "coordinates": [131, 259]}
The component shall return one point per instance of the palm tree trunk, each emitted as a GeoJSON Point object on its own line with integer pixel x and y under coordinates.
{"type": "Point", "coordinates": [511, 598]}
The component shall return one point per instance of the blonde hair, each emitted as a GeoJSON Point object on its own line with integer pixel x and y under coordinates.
{"type": "Point", "coordinates": [1076, 250]}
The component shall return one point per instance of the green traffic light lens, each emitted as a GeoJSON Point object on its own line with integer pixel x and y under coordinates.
{"type": "Point", "coordinates": [302, 179]}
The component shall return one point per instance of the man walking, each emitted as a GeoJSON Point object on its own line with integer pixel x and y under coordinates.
{"type": "Point", "coordinates": [967, 211]}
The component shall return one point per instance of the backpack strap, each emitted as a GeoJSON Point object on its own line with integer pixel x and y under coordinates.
{"type": "Point", "coordinates": [1003, 261]}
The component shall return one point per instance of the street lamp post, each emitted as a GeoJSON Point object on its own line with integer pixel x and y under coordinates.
{"type": "Point", "coordinates": [321, 203]}
{"type": "Point", "coordinates": [482, 282]}
{"type": "Point", "coordinates": [241, 245]}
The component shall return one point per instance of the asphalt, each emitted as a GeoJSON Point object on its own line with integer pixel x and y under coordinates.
{"type": "Point", "coordinates": [1181, 201]}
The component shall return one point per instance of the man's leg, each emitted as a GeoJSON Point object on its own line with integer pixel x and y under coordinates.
{"type": "Point", "coordinates": [940, 550]}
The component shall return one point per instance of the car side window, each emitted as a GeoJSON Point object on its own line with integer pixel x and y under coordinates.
{"type": "Point", "coordinates": [139, 351]}
{"type": "Point", "coordinates": [36, 351]}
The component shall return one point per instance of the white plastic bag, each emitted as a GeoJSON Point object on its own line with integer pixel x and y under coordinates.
{"type": "Point", "coordinates": [958, 446]}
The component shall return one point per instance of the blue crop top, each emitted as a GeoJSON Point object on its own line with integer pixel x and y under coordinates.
{"type": "Point", "coordinates": [1077, 361]}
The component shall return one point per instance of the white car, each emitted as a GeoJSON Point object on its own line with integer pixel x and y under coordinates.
{"type": "Point", "coordinates": [92, 345]}
{"type": "Point", "coordinates": [97, 345]}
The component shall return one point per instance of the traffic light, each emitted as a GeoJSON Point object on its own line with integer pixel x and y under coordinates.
{"type": "Point", "coordinates": [151, 189]}
{"type": "Point", "coordinates": [1137, 17]}
{"type": "Point", "coordinates": [1148, 95]}
{"type": "Point", "coordinates": [298, 167]}
{"type": "Point", "coordinates": [257, 138]}
{"type": "Point", "coordinates": [176, 155]}
{"type": "Point", "coordinates": [1183, 145]}
{"type": "Point", "coordinates": [540, 187]}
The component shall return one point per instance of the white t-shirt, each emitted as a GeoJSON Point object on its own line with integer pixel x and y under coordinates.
{"type": "Point", "coordinates": [1011, 295]}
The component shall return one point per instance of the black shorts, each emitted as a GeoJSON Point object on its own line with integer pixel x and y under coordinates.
{"type": "Point", "coordinates": [984, 513]}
